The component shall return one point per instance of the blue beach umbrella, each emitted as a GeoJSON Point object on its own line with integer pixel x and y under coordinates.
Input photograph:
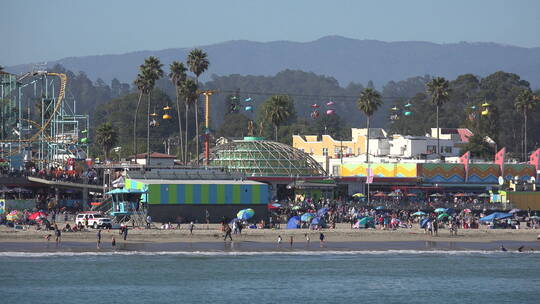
{"type": "Point", "coordinates": [306, 217]}
{"type": "Point", "coordinates": [245, 214]}
{"type": "Point", "coordinates": [379, 208]}
{"type": "Point", "coordinates": [419, 213]}
{"type": "Point", "coordinates": [322, 211]}
{"type": "Point", "coordinates": [440, 210]}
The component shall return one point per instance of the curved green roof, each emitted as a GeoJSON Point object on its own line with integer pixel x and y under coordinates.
{"type": "Point", "coordinates": [257, 157]}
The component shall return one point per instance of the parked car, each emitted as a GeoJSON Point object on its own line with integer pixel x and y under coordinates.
{"type": "Point", "coordinates": [95, 220]}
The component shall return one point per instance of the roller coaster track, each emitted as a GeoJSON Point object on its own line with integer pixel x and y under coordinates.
{"type": "Point", "coordinates": [59, 100]}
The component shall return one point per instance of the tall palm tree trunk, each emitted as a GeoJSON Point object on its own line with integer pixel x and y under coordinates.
{"type": "Point", "coordinates": [186, 135]}
{"type": "Point", "coordinates": [275, 132]}
{"type": "Point", "coordinates": [367, 159]}
{"type": "Point", "coordinates": [180, 149]}
{"type": "Point", "coordinates": [148, 132]}
{"type": "Point", "coordinates": [135, 127]}
{"type": "Point", "coordinates": [197, 128]}
{"type": "Point", "coordinates": [525, 137]}
{"type": "Point", "coordinates": [438, 148]}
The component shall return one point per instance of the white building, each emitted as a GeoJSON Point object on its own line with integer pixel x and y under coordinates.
{"type": "Point", "coordinates": [421, 147]}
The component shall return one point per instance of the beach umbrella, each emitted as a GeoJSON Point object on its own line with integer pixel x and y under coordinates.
{"type": "Point", "coordinates": [379, 208]}
{"type": "Point", "coordinates": [411, 194]}
{"type": "Point", "coordinates": [359, 195]}
{"type": "Point", "coordinates": [440, 210]}
{"type": "Point", "coordinates": [14, 215]}
{"type": "Point", "coordinates": [294, 222]}
{"type": "Point", "coordinates": [37, 215]}
{"type": "Point", "coordinates": [495, 216]}
{"type": "Point", "coordinates": [483, 195]}
{"type": "Point", "coordinates": [306, 217]}
{"type": "Point", "coordinates": [245, 214]}
{"type": "Point", "coordinates": [461, 195]}
{"type": "Point", "coordinates": [322, 211]}
{"type": "Point", "coordinates": [436, 195]}
{"type": "Point", "coordinates": [365, 222]}
{"type": "Point", "coordinates": [393, 194]}
{"type": "Point", "coordinates": [467, 210]}
{"type": "Point", "coordinates": [515, 210]}
{"type": "Point", "coordinates": [379, 194]}
{"type": "Point", "coordinates": [295, 208]}
{"type": "Point", "coordinates": [442, 216]}
{"type": "Point", "coordinates": [424, 222]}
{"type": "Point", "coordinates": [418, 213]}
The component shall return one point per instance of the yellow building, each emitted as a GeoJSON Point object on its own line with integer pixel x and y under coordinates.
{"type": "Point", "coordinates": [329, 147]}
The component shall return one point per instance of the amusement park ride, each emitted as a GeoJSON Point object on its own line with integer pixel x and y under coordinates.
{"type": "Point", "coordinates": [38, 121]}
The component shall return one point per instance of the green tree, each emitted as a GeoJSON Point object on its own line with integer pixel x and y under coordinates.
{"type": "Point", "coordinates": [178, 76]}
{"type": "Point", "coordinates": [143, 86]}
{"type": "Point", "coordinates": [152, 71]}
{"type": "Point", "coordinates": [188, 90]}
{"type": "Point", "coordinates": [525, 103]}
{"type": "Point", "coordinates": [277, 110]}
{"type": "Point", "coordinates": [479, 147]}
{"type": "Point", "coordinates": [368, 103]}
{"type": "Point", "coordinates": [438, 89]}
{"type": "Point", "coordinates": [198, 63]}
{"type": "Point", "coordinates": [106, 137]}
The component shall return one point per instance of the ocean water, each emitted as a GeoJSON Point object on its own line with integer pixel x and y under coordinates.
{"type": "Point", "coordinates": [271, 277]}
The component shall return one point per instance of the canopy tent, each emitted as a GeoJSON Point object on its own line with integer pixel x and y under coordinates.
{"type": "Point", "coordinates": [365, 222]}
{"type": "Point", "coordinates": [294, 223]}
{"type": "Point", "coordinates": [319, 221]}
{"type": "Point", "coordinates": [496, 216]}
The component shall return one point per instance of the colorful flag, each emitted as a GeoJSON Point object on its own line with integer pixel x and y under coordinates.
{"type": "Point", "coordinates": [499, 159]}
{"type": "Point", "coordinates": [465, 161]}
{"type": "Point", "coordinates": [535, 159]}
{"type": "Point", "coordinates": [369, 179]}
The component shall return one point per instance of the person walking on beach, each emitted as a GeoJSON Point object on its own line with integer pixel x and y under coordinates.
{"type": "Point", "coordinates": [291, 241]}
{"type": "Point", "coordinates": [279, 239]}
{"type": "Point", "coordinates": [98, 236]}
{"type": "Point", "coordinates": [307, 239]}
{"type": "Point", "coordinates": [191, 227]}
{"type": "Point", "coordinates": [113, 242]}
{"type": "Point", "coordinates": [58, 234]}
{"type": "Point", "coordinates": [125, 232]}
{"type": "Point", "coordinates": [228, 231]}
{"type": "Point", "coordinates": [148, 221]}
{"type": "Point", "coordinates": [436, 227]}
{"type": "Point", "coordinates": [321, 238]}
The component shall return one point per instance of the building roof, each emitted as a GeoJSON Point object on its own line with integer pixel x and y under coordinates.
{"type": "Point", "coordinates": [153, 155]}
{"type": "Point", "coordinates": [196, 182]}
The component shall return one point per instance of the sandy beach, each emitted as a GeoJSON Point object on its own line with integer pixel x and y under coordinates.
{"type": "Point", "coordinates": [341, 238]}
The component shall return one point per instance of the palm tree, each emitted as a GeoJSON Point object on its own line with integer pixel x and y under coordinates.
{"type": "Point", "coordinates": [277, 110]}
{"type": "Point", "coordinates": [178, 76]}
{"type": "Point", "coordinates": [525, 103]}
{"type": "Point", "coordinates": [142, 86]}
{"type": "Point", "coordinates": [152, 71]}
{"type": "Point", "coordinates": [106, 137]}
{"type": "Point", "coordinates": [369, 102]}
{"type": "Point", "coordinates": [198, 63]}
{"type": "Point", "coordinates": [439, 90]}
{"type": "Point", "coordinates": [188, 90]}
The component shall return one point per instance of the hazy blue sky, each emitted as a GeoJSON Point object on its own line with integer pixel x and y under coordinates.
{"type": "Point", "coordinates": [32, 31]}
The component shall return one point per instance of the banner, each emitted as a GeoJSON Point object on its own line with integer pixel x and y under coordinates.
{"type": "Point", "coordinates": [499, 159]}
{"type": "Point", "coordinates": [535, 159]}
{"type": "Point", "coordinates": [369, 179]}
{"type": "Point", "coordinates": [464, 159]}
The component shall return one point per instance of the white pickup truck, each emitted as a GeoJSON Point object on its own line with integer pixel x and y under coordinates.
{"type": "Point", "coordinates": [95, 220]}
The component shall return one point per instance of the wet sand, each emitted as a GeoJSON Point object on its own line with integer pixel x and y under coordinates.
{"type": "Point", "coordinates": [342, 239]}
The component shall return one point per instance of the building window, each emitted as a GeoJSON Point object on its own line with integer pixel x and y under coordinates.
{"type": "Point", "coordinates": [446, 149]}
{"type": "Point", "coordinates": [337, 150]}
{"type": "Point", "coordinates": [349, 151]}
{"type": "Point", "coordinates": [325, 151]}
{"type": "Point", "coordinates": [311, 150]}
{"type": "Point", "coordinates": [431, 149]}
{"type": "Point", "coordinates": [335, 170]}
{"type": "Point", "coordinates": [301, 149]}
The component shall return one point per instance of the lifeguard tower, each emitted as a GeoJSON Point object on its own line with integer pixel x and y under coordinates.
{"type": "Point", "coordinates": [127, 205]}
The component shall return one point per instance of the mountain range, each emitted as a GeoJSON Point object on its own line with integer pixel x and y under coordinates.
{"type": "Point", "coordinates": [347, 60]}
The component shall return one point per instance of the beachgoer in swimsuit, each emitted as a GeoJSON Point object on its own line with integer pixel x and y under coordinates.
{"type": "Point", "coordinates": [113, 242]}
{"type": "Point", "coordinates": [279, 239]}
{"type": "Point", "coordinates": [228, 231]}
{"type": "Point", "coordinates": [321, 238]}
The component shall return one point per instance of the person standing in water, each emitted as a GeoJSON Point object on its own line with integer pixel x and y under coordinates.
{"type": "Point", "coordinates": [113, 243]}
{"type": "Point", "coordinates": [125, 232]}
{"type": "Point", "coordinates": [321, 238]}
{"type": "Point", "coordinates": [279, 239]}
{"type": "Point", "coordinates": [228, 231]}
{"type": "Point", "coordinates": [291, 241]}
{"type": "Point", "coordinates": [58, 234]}
{"type": "Point", "coordinates": [307, 239]}
{"type": "Point", "coordinates": [98, 236]}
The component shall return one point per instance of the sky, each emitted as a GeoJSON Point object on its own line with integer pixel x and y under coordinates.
{"type": "Point", "coordinates": [38, 31]}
